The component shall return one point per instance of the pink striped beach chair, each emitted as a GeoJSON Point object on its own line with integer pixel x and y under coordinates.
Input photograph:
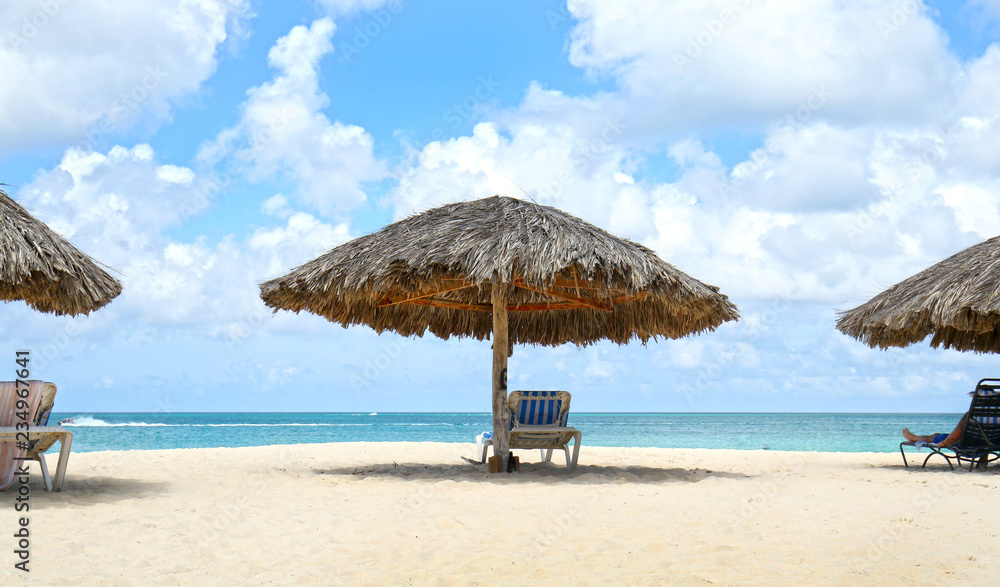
{"type": "Point", "coordinates": [41, 436]}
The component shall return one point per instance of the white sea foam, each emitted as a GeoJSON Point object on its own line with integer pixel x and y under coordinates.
{"type": "Point", "coordinates": [95, 422]}
{"type": "Point", "coordinates": [424, 424]}
{"type": "Point", "coordinates": [322, 425]}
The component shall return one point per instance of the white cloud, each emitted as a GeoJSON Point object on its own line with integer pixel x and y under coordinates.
{"type": "Point", "coordinates": [277, 206]}
{"type": "Point", "coordinates": [704, 64]}
{"type": "Point", "coordinates": [819, 212]}
{"type": "Point", "coordinates": [77, 72]}
{"type": "Point", "coordinates": [873, 162]}
{"type": "Point", "coordinates": [990, 8]}
{"type": "Point", "coordinates": [119, 207]}
{"type": "Point", "coordinates": [817, 167]}
{"type": "Point", "coordinates": [555, 164]}
{"type": "Point", "coordinates": [976, 210]}
{"type": "Point", "coordinates": [345, 7]}
{"type": "Point", "coordinates": [302, 238]}
{"type": "Point", "coordinates": [598, 368]}
{"type": "Point", "coordinates": [282, 129]}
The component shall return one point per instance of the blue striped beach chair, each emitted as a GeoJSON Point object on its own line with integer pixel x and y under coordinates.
{"type": "Point", "coordinates": [981, 436]}
{"type": "Point", "coordinates": [538, 420]}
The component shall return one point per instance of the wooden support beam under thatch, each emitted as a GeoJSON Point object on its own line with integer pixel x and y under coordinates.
{"type": "Point", "coordinates": [501, 349]}
{"type": "Point", "coordinates": [581, 302]}
{"type": "Point", "coordinates": [541, 307]}
{"type": "Point", "coordinates": [569, 284]}
{"type": "Point", "coordinates": [447, 286]}
{"type": "Point", "coordinates": [630, 298]}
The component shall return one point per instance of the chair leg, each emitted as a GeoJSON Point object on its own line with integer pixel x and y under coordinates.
{"type": "Point", "coordinates": [905, 464]}
{"type": "Point", "coordinates": [65, 441]}
{"type": "Point", "coordinates": [546, 454]}
{"type": "Point", "coordinates": [45, 471]}
{"type": "Point", "coordinates": [576, 449]}
{"type": "Point", "coordinates": [486, 449]}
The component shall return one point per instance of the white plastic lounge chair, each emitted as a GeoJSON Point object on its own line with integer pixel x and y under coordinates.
{"type": "Point", "coordinates": [41, 437]}
{"type": "Point", "coordinates": [538, 420]}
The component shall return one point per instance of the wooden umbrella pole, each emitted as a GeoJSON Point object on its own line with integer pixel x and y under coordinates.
{"type": "Point", "coordinates": [501, 419]}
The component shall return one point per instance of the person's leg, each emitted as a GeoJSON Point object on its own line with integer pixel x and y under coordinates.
{"type": "Point", "coordinates": [917, 437]}
{"type": "Point", "coordinates": [956, 434]}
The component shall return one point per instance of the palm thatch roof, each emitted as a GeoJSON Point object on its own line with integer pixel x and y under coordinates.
{"type": "Point", "coordinates": [41, 268]}
{"type": "Point", "coordinates": [565, 280]}
{"type": "Point", "coordinates": [956, 300]}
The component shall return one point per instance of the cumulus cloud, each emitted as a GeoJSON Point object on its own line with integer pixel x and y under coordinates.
{"type": "Point", "coordinates": [817, 212]}
{"type": "Point", "coordinates": [282, 130]}
{"type": "Point", "coordinates": [553, 165]}
{"type": "Point", "coordinates": [867, 212]}
{"type": "Point", "coordinates": [989, 8]}
{"type": "Point", "coordinates": [345, 7]}
{"type": "Point", "coordinates": [119, 207]}
{"type": "Point", "coordinates": [871, 164]}
{"type": "Point", "coordinates": [76, 73]}
{"type": "Point", "coordinates": [706, 64]}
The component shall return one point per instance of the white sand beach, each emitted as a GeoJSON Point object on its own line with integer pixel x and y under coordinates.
{"type": "Point", "coordinates": [416, 513]}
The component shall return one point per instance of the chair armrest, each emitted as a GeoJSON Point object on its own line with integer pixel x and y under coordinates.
{"type": "Point", "coordinates": [540, 428]}
{"type": "Point", "coordinates": [32, 431]}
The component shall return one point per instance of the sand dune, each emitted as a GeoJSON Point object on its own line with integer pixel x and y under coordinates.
{"type": "Point", "coordinates": [416, 513]}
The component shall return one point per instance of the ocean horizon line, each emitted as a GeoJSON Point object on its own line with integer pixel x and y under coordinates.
{"type": "Point", "coordinates": [428, 412]}
{"type": "Point", "coordinates": [824, 431]}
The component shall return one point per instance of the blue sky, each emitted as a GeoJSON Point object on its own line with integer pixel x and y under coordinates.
{"type": "Point", "coordinates": [800, 156]}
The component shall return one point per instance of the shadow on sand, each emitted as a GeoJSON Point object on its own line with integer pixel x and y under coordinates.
{"type": "Point", "coordinates": [86, 491]}
{"type": "Point", "coordinates": [530, 473]}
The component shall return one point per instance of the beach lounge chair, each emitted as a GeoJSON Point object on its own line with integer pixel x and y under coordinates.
{"type": "Point", "coordinates": [41, 436]}
{"type": "Point", "coordinates": [981, 436]}
{"type": "Point", "coordinates": [538, 420]}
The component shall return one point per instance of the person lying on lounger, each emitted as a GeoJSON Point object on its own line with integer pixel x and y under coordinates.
{"type": "Point", "coordinates": [938, 439]}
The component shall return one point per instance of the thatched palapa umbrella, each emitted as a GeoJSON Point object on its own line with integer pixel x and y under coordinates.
{"type": "Point", "coordinates": [41, 268]}
{"type": "Point", "coordinates": [956, 300]}
{"type": "Point", "coordinates": [506, 268]}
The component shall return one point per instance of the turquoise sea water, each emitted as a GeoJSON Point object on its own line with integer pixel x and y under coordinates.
{"type": "Point", "coordinates": [819, 432]}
